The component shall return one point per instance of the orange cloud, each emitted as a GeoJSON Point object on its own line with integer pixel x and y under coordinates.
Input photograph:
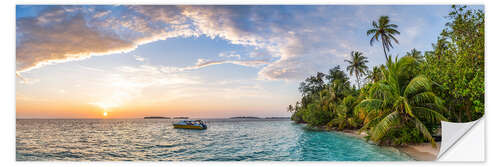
{"type": "Point", "coordinates": [69, 39]}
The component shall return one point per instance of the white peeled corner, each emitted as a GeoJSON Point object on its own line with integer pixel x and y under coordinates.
{"type": "Point", "coordinates": [462, 141]}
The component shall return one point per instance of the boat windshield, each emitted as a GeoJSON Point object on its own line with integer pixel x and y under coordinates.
{"type": "Point", "coordinates": [190, 122]}
{"type": "Point", "coordinates": [198, 122]}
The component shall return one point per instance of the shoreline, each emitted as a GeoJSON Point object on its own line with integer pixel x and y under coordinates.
{"type": "Point", "coordinates": [418, 152]}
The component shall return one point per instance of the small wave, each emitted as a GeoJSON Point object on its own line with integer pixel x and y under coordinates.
{"type": "Point", "coordinates": [166, 146]}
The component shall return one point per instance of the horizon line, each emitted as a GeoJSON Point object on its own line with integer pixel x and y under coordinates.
{"type": "Point", "coordinates": [170, 117]}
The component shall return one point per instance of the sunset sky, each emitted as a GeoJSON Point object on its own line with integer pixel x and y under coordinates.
{"type": "Point", "coordinates": [196, 61]}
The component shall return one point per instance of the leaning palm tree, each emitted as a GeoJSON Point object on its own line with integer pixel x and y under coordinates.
{"type": "Point", "coordinates": [357, 65]}
{"type": "Point", "coordinates": [415, 54]}
{"type": "Point", "coordinates": [385, 32]}
{"type": "Point", "coordinates": [395, 103]}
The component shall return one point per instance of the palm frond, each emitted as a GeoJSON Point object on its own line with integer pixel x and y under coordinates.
{"type": "Point", "coordinates": [417, 84]}
{"type": "Point", "coordinates": [429, 114]}
{"type": "Point", "coordinates": [381, 129]}
{"type": "Point", "coordinates": [371, 40]}
{"type": "Point", "coordinates": [408, 108]}
{"type": "Point", "coordinates": [368, 105]}
{"type": "Point", "coordinates": [425, 97]}
{"type": "Point", "coordinates": [371, 120]}
{"type": "Point", "coordinates": [421, 127]}
{"type": "Point", "coordinates": [394, 38]}
{"type": "Point", "coordinates": [392, 26]}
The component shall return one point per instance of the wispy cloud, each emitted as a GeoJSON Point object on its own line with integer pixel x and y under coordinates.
{"type": "Point", "coordinates": [201, 63]}
{"type": "Point", "coordinates": [205, 63]}
{"type": "Point", "coordinates": [139, 58]}
{"type": "Point", "coordinates": [25, 80]}
{"type": "Point", "coordinates": [102, 13]}
{"type": "Point", "coordinates": [230, 55]}
{"type": "Point", "coordinates": [129, 82]}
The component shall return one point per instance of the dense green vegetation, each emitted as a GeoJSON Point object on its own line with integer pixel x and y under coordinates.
{"type": "Point", "coordinates": [403, 100]}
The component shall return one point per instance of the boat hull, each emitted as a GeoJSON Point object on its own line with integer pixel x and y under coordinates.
{"type": "Point", "coordinates": [189, 127]}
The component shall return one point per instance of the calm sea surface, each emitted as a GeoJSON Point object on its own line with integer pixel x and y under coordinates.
{"type": "Point", "coordinates": [153, 140]}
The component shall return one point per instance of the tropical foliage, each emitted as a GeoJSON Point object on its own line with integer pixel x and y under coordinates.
{"type": "Point", "coordinates": [457, 64]}
{"type": "Point", "coordinates": [403, 100]}
{"type": "Point", "coordinates": [417, 55]}
{"type": "Point", "coordinates": [357, 65]}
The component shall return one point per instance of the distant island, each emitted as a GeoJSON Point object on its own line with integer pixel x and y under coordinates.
{"type": "Point", "coordinates": [277, 118]}
{"type": "Point", "coordinates": [181, 117]}
{"type": "Point", "coordinates": [249, 117]}
{"type": "Point", "coordinates": [156, 117]}
{"type": "Point", "coordinates": [246, 117]}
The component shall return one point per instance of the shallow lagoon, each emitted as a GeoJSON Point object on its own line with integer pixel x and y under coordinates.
{"type": "Point", "coordinates": [156, 140]}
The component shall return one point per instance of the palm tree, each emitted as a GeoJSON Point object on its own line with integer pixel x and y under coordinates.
{"type": "Point", "coordinates": [357, 65]}
{"type": "Point", "coordinates": [290, 108]}
{"type": "Point", "coordinates": [312, 85]}
{"type": "Point", "coordinates": [344, 114]}
{"type": "Point", "coordinates": [324, 101]}
{"type": "Point", "coordinates": [385, 32]}
{"type": "Point", "coordinates": [338, 84]}
{"type": "Point", "coordinates": [297, 106]}
{"type": "Point", "coordinates": [375, 74]}
{"type": "Point", "coordinates": [440, 47]}
{"type": "Point", "coordinates": [415, 54]}
{"type": "Point", "coordinates": [336, 74]}
{"type": "Point", "coordinates": [395, 103]}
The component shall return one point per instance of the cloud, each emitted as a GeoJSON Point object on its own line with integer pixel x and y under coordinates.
{"type": "Point", "coordinates": [25, 80]}
{"type": "Point", "coordinates": [63, 34]}
{"type": "Point", "coordinates": [67, 35]}
{"type": "Point", "coordinates": [248, 63]}
{"type": "Point", "coordinates": [128, 83]}
{"type": "Point", "coordinates": [102, 13]}
{"type": "Point", "coordinates": [139, 58]}
{"type": "Point", "coordinates": [165, 14]}
{"type": "Point", "coordinates": [63, 40]}
{"type": "Point", "coordinates": [300, 40]}
{"type": "Point", "coordinates": [224, 22]}
{"type": "Point", "coordinates": [230, 55]}
{"type": "Point", "coordinates": [292, 37]}
{"type": "Point", "coordinates": [201, 63]}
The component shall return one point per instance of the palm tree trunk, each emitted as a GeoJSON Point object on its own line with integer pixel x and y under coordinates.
{"type": "Point", "coordinates": [357, 78]}
{"type": "Point", "coordinates": [385, 53]}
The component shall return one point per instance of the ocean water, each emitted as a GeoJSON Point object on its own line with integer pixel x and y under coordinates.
{"type": "Point", "coordinates": [156, 140]}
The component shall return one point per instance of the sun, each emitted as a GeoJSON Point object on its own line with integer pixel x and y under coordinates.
{"type": "Point", "coordinates": [105, 113]}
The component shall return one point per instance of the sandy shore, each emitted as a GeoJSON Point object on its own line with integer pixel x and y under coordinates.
{"type": "Point", "coordinates": [419, 152]}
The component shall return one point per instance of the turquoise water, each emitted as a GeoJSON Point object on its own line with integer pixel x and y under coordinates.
{"type": "Point", "coordinates": [154, 140]}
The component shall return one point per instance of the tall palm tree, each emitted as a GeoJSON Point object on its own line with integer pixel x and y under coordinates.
{"type": "Point", "coordinates": [385, 32]}
{"type": "Point", "coordinates": [357, 65]}
{"type": "Point", "coordinates": [415, 54]}
{"type": "Point", "coordinates": [395, 103]}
